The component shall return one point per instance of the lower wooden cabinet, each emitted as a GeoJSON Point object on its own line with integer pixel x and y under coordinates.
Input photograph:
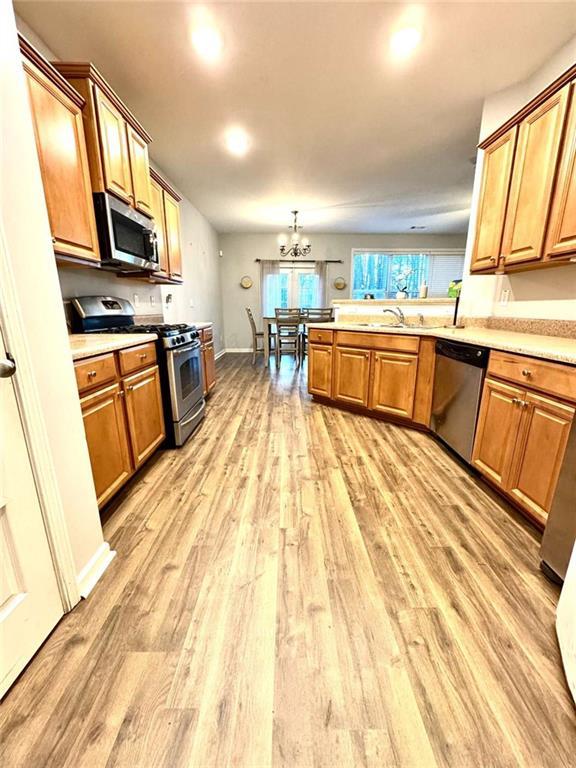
{"type": "Point", "coordinates": [393, 385]}
{"type": "Point", "coordinates": [108, 441]}
{"type": "Point", "coordinates": [209, 361]}
{"type": "Point", "coordinates": [520, 444]}
{"type": "Point", "coordinates": [145, 416]}
{"type": "Point", "coordinates": [320, 370]}
{"type": "Point", "coordinates": [351, 375]}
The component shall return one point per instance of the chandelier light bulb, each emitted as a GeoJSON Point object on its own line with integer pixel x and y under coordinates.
{"type": "Point", "coordinates": [282, 240]}
{"type": "Point", "coordinates": [299, 246]}
{"type": "Point", "coordinates": [295, 238]}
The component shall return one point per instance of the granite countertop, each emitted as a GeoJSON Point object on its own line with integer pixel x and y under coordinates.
{"type": "Point", "coordinates": [90, 344]}
{"type": "Point", "coordinates": [548, 347]}
{"type": "Point", "coordinates": [200, 326]}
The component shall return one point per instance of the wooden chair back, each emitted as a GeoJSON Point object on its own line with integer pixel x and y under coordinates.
{"type": "Point", "coordinates": [318, 314]}
{"type": "Point", "coordinates": [252, 321]}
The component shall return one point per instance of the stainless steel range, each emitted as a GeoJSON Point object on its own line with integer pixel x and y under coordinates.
{"type": "Point", "coordinates": [178, 353]}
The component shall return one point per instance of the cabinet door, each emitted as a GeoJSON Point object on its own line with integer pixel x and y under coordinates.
{"type": "Point", "coordinates": [209, 367]}
{"type": "Point", "coordinates": [320, 370]}
{"type": "Point", "coordinates": [496, 176]}
{"type": "Point", "coordinates": [157, 207]}
{"type": "Point", "coordinates": [172, 214]}
{"type": "Point", "coordinates": [497, 430]}
{"type": "Point", "coordinates": [145, 415]}
{"type": "Point", "coordinates": [64, 166]}
{"type": "Point", "coordinates": [561, 239]}
{"type": "Point", "coordinates": [114, 147]}
{"type": "Point", "coordinates": [539, 453]}
{"type": "Point", "coordinates": [351, 375]}
{"type": "Point", "coordinates": [393, 383]}
{"type": "Point", "coordinates": [533, 176]}
{"type": "Point", "coordinates": [140, 167]}
{"type": "Point", "coordinates": [107, 438]}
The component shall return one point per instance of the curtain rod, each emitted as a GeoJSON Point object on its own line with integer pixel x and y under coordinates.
{"type": "Point", "coordinates": [303, 261]}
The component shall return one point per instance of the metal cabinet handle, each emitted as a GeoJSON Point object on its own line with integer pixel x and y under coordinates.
{"type": "Point", "coordinates": [120, 393]}
{"type": "Point", "coordinates": [143, 356]}
{"type": "Point", "coordinates": [526, 372]}
{"type": "Point", "coordinates": [516, 400]}
{"type": "Point", "coordinates": [7, 367]}
{"type": "Point", "coordinates": [130, 388]}
{"type": "Point", "coordinates": [91, 374]}
{"type": "Point", "coordinates": [492, 258]}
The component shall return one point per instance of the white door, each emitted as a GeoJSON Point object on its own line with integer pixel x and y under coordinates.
{"type": "Point", "coordinates": [566, 624]}
{"type": "Point", "coordinates": [30, 603]}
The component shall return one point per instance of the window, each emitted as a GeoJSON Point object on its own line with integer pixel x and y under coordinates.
{"type": "Point", "coordinates": [383, 273]}
{"type": "Point", "coordinates": [293, 287]}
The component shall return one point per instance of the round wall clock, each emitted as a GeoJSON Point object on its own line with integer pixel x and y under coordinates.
{"type": "Point", "coordinates": [340, 283]}
{"type": "Point", "coordinates": [246, 281]}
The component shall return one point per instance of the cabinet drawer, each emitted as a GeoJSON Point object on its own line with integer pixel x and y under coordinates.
{"type": "Point", "coordinates": [134, 358]}
{"type": "Point", "coordinates": [320, 336]}
{"type": "Point", "coordinates": [207, 335]}
{"type": "Point", "coordinates": [393, 342]}
{"type": "Point", "coordinates": [95, 371]}
{"type": "Point", "coordinates": [553, 378]}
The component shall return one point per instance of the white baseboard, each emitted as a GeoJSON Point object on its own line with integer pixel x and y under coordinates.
{"type": "Point", "coordinates": [237, 350]}
{"type": "Point", "coordinates": [220, 354]}
{"type": "Point", "coordinates": [94, 569]}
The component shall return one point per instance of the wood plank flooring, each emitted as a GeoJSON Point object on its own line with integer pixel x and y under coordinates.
{"type": "Point", "coordinates": [300, 586]}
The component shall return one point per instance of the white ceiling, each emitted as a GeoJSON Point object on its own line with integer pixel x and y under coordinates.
{"type": "Point", "coordinates": [354, 140]}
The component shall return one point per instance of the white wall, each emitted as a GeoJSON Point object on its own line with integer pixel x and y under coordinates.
{"type": "Point", "coordinates": [240, 250]}
{"type": "Point", "coordinates": [544, 294]}
{"type": "Point", "coordinates": [25, 223]}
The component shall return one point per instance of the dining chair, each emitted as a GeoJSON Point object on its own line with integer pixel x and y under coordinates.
{"type": "Point", "coordinates": [256, 336]}
{"type": "Point", "coordinates": [313, 315]}
{"type": "Point", "coordinates": [287, 332]}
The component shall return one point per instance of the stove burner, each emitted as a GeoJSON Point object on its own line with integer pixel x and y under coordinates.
{"type": "Point", "coordinates": [164, 330]}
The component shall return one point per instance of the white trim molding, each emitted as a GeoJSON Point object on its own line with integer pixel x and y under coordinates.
{"type": "Point", "coordinates": [220, 354]}
{"type": "Point", "coordinates": [237, 350]}
{"type": "Point", "coordinates": [94, 568]}
{"type": "Point", "coordinates": [28, 399]}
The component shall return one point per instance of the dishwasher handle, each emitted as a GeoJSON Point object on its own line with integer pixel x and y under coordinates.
{"type": "Point", "coordinates": [464, 353]}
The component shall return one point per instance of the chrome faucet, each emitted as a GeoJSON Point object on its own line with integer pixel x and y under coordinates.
{"type": "Point", "coordinates": [398, 314]}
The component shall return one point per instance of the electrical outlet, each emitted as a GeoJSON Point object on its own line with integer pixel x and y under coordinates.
{"type": "Point", "coordinates": [136, 299]}
{"type": "Point", "coordinates": [191, 302]}
{"type": "Point", "coordinates": [152, 300]}
{"type": "Point", "coordinates": [505, 296]}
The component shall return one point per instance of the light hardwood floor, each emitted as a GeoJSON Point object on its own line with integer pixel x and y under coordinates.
{"type": "Point", "coordinates": [300, 586]}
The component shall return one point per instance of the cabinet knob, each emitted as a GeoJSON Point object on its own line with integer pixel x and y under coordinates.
{"type": "Point", "coordinates": [492, 258]}
{"type": "Point", "coordinates": [526, 372]}
{"type": "Point", "coordinates": [143, 356]}
{"type": "Point", "coordinates": [53, 239]}
{"type": "Point", "coordinates": [91, 374]}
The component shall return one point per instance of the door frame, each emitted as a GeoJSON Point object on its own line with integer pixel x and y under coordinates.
{"type": "Point", "coordinates": [13, 331]}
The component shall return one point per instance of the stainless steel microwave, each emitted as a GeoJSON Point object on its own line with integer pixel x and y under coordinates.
{"type": "Point", "coordinates": [127, 238]}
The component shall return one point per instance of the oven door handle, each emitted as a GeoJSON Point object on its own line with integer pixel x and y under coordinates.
{"type": "Point", "coordinates": [194, 415]}
{"type": "Point", "coordinates": [181, 350]}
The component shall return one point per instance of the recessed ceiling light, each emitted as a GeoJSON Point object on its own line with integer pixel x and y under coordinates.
{"type": "Point", "coordinates": [205, 36]}
{"type": "Point", "coordinates": [404, 42]}
{"type": "Point", "coordinates": [237, 141]}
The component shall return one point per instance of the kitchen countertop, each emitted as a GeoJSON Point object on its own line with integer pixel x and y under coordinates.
{"type": "Point", "coordinates": [548, 347]}
{"type": "Point", "coordinates": [89, 344]}
{"type": "Point", "coordinates": [201, 326]}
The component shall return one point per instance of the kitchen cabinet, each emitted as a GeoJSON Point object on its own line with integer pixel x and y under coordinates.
{"type": "Point", "coordinates": [145, 416]}
{"type": "Point", "coordinates": [107, 439]}
{"type": "Point", "coordinates": [533, 176]}
{"type": "Point", "coordinates": [56, 110]}
{"type": "Point", "coordinates": [208, 359]}
{"type": "Point", "coordinates": [173, 245]}
{"type": "Point", "coordinates": [123, 417]}
{"type": "Point", "coordinates": [117, 143]}
{"type": "Point", "coordinates": [320, 369]}
{"type": "Point", "coordinates": [114, 147]}
{"type": "Point", "coordinates": [561, 239]}
{"type": "Point", "coordinates": [166, 214]}
{"type": "Point", "coordinates": [540, 446]}
{"type": "Point", "coordinates": [351, 375]}
{"type": "Point", "coordinates": [496, 177]}
{"type": "Point", "coordinates": [522, 433]}
{"type": "Point", "coordinates": [498, 421]}
{"type": "Point", "coordinates": [140, 171]}
{"type": "Point", "coordinates": [393, 385]}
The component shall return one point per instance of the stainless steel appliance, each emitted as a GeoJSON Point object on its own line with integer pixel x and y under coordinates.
{"type": "Point", "coordinates": [560, 532]}
{"type": "Point", "coordinates": [178, 352]}
{"type": "Point", "coordinates": [127, 238]}
{"type": "Point", "coordinates": [458, 379]}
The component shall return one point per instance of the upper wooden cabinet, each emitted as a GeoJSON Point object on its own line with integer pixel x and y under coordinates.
{"type": "Point", "coordinates": [172, 212]}
{"type": "Point", "coordinates": [57, 116]}
{"type": "Point", "coordinates": [496, 176]}
{"type": "Point", "coordinates": [117, 143]}
{"type": "Point", "coordinates": [561, 240]}
{"type": "Point", "coordinates": [114, 147]}
{"type": "Point", "coordinates": [140, 167]}
{"type": "Point", "coordinates": [527, 203]}
{"type": "Point", "coordinates": [157, 206]}
{"type": "Point", "coordinates": [535, 164]}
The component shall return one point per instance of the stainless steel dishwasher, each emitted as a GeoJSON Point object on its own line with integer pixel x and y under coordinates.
{"type": "Point", "coordinates": [458, 379]}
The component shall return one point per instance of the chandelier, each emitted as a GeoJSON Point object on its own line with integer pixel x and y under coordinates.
{"type": "Point", "coordinates": [298, 246]}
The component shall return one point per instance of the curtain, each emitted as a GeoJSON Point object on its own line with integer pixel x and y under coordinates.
{"type": "Point", "coordinates": [320, 272]}
{"type": "Point", "coordinates": [270, 286]}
